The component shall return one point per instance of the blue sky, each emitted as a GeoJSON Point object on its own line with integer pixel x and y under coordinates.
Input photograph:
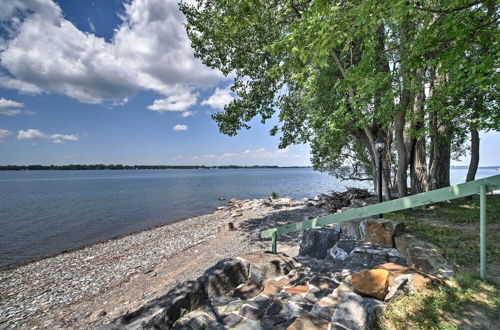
{"type": "Point", "coordinates": [112, 82]}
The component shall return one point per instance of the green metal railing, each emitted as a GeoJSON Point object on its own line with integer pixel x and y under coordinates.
{"type": "Point", "coordinates": [481, 186]}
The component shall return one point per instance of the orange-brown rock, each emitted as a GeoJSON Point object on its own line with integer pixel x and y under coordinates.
{"type": "Point", "coordinates": [272, 287]}
{"type": "Point", "coordinates": [298, 289]}
{"type": "Point", "coordinates": [420, 279]}
{"type": "Point", "coordinates": [373, 283]}
{"type": "Point", "coordinates": [308, 322]}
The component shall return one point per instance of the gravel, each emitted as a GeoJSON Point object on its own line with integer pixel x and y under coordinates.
{"type": "Point", "coordinates": [89, 287]}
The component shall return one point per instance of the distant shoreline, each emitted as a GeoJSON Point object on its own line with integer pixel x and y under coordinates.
{"type": "Point", "coordinates": [131, 167]}
{"type": "Point", "coordinates": [93, 167]}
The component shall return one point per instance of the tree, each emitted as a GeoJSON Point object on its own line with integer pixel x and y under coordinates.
{"type": "Point", "coordinates": [341, 74]}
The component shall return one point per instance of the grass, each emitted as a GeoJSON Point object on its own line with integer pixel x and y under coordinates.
{"type": "Point", "coordinates": [454, 227]}
{"type": "Point", "coordinates": [432, 309]}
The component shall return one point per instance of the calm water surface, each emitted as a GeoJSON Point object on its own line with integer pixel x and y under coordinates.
{"type": "Point", "coordinates": [46, 212]}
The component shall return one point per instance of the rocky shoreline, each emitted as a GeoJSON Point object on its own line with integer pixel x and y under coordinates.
{"type": "Point", "coordinates": [92, 286]}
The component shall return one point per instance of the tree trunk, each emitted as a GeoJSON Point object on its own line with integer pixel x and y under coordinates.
{"type": "Point", "coordinates": [418, 166]}
{"type": "Point", "coordinates": [474, 155]}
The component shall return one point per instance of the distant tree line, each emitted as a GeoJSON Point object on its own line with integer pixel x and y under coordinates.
{"type": "Point", "coordinates": [126, 167]}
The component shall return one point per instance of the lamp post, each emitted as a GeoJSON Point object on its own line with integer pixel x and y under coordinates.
{"type": "Point", "coordinates": [379, 146]}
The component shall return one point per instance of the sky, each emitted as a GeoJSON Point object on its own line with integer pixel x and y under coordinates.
{"type": "Point", "coordinates": [113, 82]}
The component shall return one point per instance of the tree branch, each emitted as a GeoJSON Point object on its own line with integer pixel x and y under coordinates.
{"type": "Point", "coordinates": [447, 11]}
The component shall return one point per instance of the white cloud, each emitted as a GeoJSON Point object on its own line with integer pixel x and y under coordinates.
{"type": "Point", "coordinates": [65, 137]}
{"type": "Point", "coordinates": [179, 127]}
{"type": "Point", "coordinates": [10, 108]}
{"type": "Point", "coordinates": [4, 104]}
{"type": "Point", "coordinates": [10, 112]}
{"type": "Point", "coordinates": [219, 98]}
{"type": "Point", "coordinates": [30, 134]}
{"type": "Point", "coordinates": [44, 52]}
{"type": "Point", "coordinates": [3, 134]}
{"type": "Point", "coordinates": [176, 102]}
{"type": "Point", "coordinates": [37, 134]}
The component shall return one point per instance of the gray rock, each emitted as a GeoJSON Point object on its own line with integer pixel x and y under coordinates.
{"type": "Point", "coordinates": [291, 309]}
{"type": "Point", "coordinates": [274, 308]}
{"type": "Point", "coordinates": [263, 265]}
{"type": "Point", "coordinates": [402, 285]}
{"type": "Point", "coordinates": [197, 320]}
{"type": "Point", "coordinates": [234, 306]}
{"type": "Point", "coordinates": [423, 256]}
{"type": "Point", "coordinates": [248, 325]}
{"type": "Point", "coordinates": [222, 300]}
{"type": "Point", "coordinates": [261, 302]}
{"type": "Point", "coordinates": [317, 241]}
{"type": "Point", "coordinates": [164, 311]}
{"type": "Point", "coordinates": [231, 320]}
{"type": "Point", "coordinates": [250, 312]}
{"type": "Point", "coordinates": [226, 275]}
{"type": "Point", "coordinates": [356, 312]}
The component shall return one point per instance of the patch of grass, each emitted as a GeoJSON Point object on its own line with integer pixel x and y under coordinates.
{"type": "Point", "coordinates": [440, 225]}
{"type": "Point", "coordinates": [459, 211]}
{"type": "Point", "coordinates": [430, 309]}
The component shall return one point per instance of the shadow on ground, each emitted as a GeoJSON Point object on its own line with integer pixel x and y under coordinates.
{"type": "Point", "coordinates": [252, 227]}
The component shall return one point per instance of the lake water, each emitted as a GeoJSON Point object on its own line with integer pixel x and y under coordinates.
{"type": "Point", "coordinates": [45, 212]}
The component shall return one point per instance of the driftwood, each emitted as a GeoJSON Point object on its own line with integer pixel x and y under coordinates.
{"type": "Point", "coordinates": [337, 200]}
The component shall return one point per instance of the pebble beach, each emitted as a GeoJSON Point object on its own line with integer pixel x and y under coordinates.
{"type": "Point", "coordinates": [94, 285]}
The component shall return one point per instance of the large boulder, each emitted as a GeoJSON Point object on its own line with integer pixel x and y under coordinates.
{"type": "Point", "coordinates": [382, 231]}
{"type": "Point", "coordinates": [316, 242]}
{"type": "Point", "coordinates": [372, 283]}
{"type": "Point", "coordinates": [264, 265]}
{"type": "Point", "coordinates": [423, 256]}
{"type": "Point", "coordinates": [354, 311]}
{"type": "Point", "coordinates": [223, 277]}
{"type": "Point", "coordinates": [161, 313]}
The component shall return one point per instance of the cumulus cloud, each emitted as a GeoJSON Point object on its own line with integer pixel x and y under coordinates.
{"type": "Point", "coordinates": [37, 134]}
{"type": "Point", "coordinates": [219, 98]}
{"type": "Point", "coordinates": [179, 127]}
{"type": "Point", "coordinates": [30, 134]}
{"type": "Point", "coordinates": [3, 134]}
{"type": "Point", "coordinates": [177, 102]}
{"type": "Point", "coordinates": [9, 107]}
{"type": "Point", "coordinates": [44, 52]}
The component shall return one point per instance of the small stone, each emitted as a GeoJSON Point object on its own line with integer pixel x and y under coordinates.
{"type": "Point", "coordinates": [314, 296]}
{"type": "Point", "coordinates": [298, 298]}
{"type": "Point", "coordinates": [272, 287]}
{"type": "Point", "coordinates": [261, 302]}
{"type": "Point", "coordinates": [222, 300]}
{"type": "Point", "coordinates": [248, 290]}
{"type": "Point", "coordinates": [298, 289]}
{"type": "Point", "coordinates": [248, 325]}
{"type": "Point", "coordinates": [291, 309]}
{"type": "Point", "coordinates": [308, 321]}
{"type": "Point", "coordinates": [250, 312]}
{"type": "Point", "coordinates": [275, 307]}
{"type": "Point", "coordinates": [233, 306]}
{"type": "Point", "coordinates": [153, 274]}
{"type": "Point", "coordinates": [231, 320]}
{"type": "Point", "coordinates": [147, 271]}
{"type": "Point", "coordinates": [373, 283]}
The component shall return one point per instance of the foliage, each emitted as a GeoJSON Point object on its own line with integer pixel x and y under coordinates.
{"type": "Point", "coordinates": [274, 195]}
{"type": "Point", "coordinates": [431, 309]}
{"type": "Point", "coordinates": [339, 73]}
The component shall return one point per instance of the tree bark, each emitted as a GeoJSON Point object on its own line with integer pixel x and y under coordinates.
{"type": "Point", "coordinates": [474, 155]}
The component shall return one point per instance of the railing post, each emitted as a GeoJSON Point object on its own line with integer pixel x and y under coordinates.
{"type": "Point", "coordinates": [274, 244]}
{"type": "Point", "coordinates": [482, 231]}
